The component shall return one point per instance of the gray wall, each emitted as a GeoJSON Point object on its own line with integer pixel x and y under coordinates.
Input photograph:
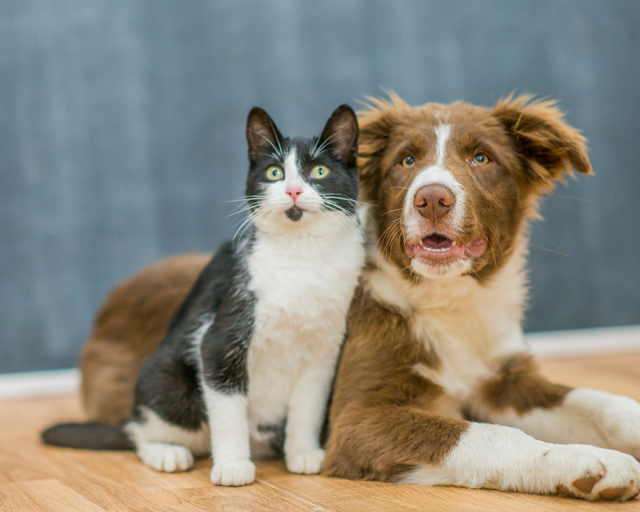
{"type": "Point", "coordinates": [122, 133]}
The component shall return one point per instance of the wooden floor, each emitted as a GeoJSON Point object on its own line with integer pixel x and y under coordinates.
{"type": "Point", "coordinates": [34, 477]}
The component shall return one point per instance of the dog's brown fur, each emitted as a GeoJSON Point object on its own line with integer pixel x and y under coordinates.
{"type": "Point", "coordinates": [379, 404]}
{"type": "Point", "coordinates": [128, 328]}
{"type": "Point", "coordinates": [518, 385]}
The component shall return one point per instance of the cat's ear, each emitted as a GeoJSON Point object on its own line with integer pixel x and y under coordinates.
{"type": "Point", "coordinates": [340, 134]}
{"type": "Point", "coordinates": [263, 135]}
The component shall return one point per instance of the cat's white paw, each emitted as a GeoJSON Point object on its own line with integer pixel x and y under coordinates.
{"type": "Point", "coordinates": [307, 463]}
{"type": "Point", "coordinates": [166, 457]}
{"type": "Point", "coordinates": [594, 473]}
{"type": "Point", "coordinates": [235, 473]}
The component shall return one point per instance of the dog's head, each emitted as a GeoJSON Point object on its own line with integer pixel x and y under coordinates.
{"type": "Point", "coordinates": [452, 184]}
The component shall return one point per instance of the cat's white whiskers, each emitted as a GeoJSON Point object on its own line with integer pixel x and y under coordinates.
{"type": "Point", "coordinates": [249, 221]}
{"type": "Point", "coordinates": [348, 199]}
{"type": "Point", "coordinates": [242, 210]}
{"type": "Point", "coordinates": [242, 199]}
{"type": "Point", "coordinates": [336, 207]}
{"type": "Point", "coordinates": [318, 151]}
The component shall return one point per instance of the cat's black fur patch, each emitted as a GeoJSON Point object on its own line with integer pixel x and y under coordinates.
{"type": "Point", "coordinates": [294, 213]}
{"type": "Point", "coordinates": [276, 438]}
{"type": "Point", "coordinates": [168, 382]}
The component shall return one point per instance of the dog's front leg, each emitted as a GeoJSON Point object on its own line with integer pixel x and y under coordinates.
{"type": "Point", "coordinates": [504, 458]}
{"type": "Point", "coordinates": [520, 397]}
{"type": "Point", "coordinates": [406, 445]}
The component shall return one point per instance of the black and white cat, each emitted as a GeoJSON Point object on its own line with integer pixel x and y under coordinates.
{"type": "Point", "coordinates": [253, 348]}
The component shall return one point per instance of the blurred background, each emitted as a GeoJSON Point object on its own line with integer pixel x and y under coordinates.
{"type": "Point", "coordinates": [122, 134]}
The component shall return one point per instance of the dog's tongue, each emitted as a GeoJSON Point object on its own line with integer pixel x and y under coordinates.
{"type": "Point", "coordinates": [436, 242]}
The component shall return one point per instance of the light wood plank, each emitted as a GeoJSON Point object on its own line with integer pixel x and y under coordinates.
{"type": "Point", "coordinates": [43, 496]}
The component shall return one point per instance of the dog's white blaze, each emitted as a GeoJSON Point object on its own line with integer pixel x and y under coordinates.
{"type": "Point", "coordinates": [504, 458]}
{"type": "Point", "coordinates": [443, 132]}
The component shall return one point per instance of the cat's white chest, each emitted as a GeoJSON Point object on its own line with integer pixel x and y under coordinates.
{"type": "Point", "coordinates": [303, 287]}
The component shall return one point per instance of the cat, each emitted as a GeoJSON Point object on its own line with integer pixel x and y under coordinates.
{"type": "Point", "coordinates": [250, 355]}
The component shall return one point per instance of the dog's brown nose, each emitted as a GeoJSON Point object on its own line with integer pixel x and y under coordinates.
{"type": "Point", "coordinates": [434, 201]}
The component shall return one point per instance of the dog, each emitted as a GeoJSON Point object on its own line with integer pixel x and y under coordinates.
{"type": "Point", "coordinates": [435, 385]}
{"type": "Point", "coordinates": [127, 330]}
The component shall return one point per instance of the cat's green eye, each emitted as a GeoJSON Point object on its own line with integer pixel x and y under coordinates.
{"type": "Point", "coordinates": [319, 172]}
{"type": "Point", "coordinates": [275, 173]}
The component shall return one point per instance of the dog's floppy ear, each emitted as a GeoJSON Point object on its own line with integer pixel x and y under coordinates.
{"type": "Point", "coordinates": [376, 123]}
{"type": "Point", "coordinates": [263, 135]}
{"type": "Point", "coordinates": [549, 145]}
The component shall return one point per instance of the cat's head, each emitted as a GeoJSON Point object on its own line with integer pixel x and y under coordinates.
{"type": "Point", "coordinates": [293, 181]}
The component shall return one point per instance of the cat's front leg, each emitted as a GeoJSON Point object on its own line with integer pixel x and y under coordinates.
{"type": "Point", "coordinates": [229, 426]}
{"type": "Point", "coordinates": [307, 407]}
{"type": "Point", "coordinates": [224, 383]}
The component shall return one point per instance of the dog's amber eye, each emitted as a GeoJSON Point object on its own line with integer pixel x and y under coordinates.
{"type": "Point", "coordinates": [275, 173]}
{"type": "Point", "coordinates": [408, 161]}
{"type": "Point", "coordinates": [480, 159]}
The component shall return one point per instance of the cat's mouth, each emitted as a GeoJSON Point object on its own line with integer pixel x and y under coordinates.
{"type": "Point", "coordinates": [294, 213]}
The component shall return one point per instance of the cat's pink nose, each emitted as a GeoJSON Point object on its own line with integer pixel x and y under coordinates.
{"type": "Point", "coordinates": [294, 192]}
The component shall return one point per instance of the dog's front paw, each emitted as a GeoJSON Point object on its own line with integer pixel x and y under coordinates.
{"type": "Point", "coordinates": [234, 473]}
{"type": "Point", "coordinates": [595, 473]}
{"type": "Point", "coordinates": [307, 463]}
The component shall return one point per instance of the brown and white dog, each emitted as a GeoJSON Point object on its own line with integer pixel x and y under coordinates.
{"type": "Point", "coordinates": [435, 385]}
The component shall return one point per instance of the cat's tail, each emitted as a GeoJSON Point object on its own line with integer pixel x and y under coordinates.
{"type": "Point", "coordinates": [88, 436]}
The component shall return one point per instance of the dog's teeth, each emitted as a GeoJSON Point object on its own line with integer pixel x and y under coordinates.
{"type": "Point", "coordinates": [453, 244]}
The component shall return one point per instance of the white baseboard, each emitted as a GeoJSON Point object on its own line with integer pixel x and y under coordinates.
{"type": "Point", "coordinates": [585, 342]}
{"type": "Point", "coordinates": [43, 383]}
{"type": "Point", "coordinates": [546, 345]}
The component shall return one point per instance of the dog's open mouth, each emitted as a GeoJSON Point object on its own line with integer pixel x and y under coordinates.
{"type": "Point", "coordinates": [439, 247]}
